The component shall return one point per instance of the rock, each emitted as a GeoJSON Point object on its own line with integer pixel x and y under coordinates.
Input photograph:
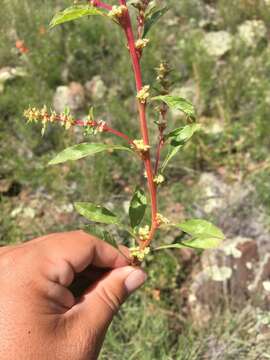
{"type": "Point", "coordinates": [95, 88]}
{"type": "Point", "coordinates": [235, 274]}
{"type": "Point", "coordinates": [261, 284]}
{"type": "Point", "coordinates": [66, 208]}
{"type": "Point", "coordinates": [5, 185]}
{"type": "Point", "coordinates": [217, 43]}
{"type": "Point", "coordinates": [212, 192]}
{"type": "Point", "coordinates": [251, 32]}
{"type": "Point", "coordinates": [9, 73]}
{"type": "Point", "coordinates": [61, 98]}
{"type": "Point", "coordinates": [24, 212]}
{"type": "Point", "coordinates": [72, 97]}
{"type": "Point", "coordinates": [225, 276]}
{"type": "Point", "coordinates": [234, 208]}
{"type": "Point", "coordinates": [209, 17]}
{"type": "Point", "coordinates": [6, 74]}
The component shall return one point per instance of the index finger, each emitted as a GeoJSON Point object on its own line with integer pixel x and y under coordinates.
{"type": "Point", "coordinates": [80, 250]}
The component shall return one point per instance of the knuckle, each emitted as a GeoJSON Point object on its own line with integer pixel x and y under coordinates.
{"type": "Point", "coordinates": [17, 263]}
{"type": "Point", "coordinates": [9, 260]}
{"type": "Point", "coordinates": [110, 298]}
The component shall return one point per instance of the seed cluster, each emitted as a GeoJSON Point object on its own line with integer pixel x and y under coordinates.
{"type": "Point", "coordinates": [43, 115]}
{"type": "Point", "coordinates": [138, 253]}
{"type": "Point", "coordinates": [117, 11]}
{"type": "Point", "coordinates": [144, 233]}
{"type": "Point", "coordinates": [143, 94]}
{"type": "Point", "coordinates": [66, 119]}
{"type": "Point", "coordinates": [141, 43]}
{"type": "Point", "coordinates": [141, 146]}
{"type": "Point", "coordinates": [162, 220]}
{"type": "Point", "coordinates": [159, 179]}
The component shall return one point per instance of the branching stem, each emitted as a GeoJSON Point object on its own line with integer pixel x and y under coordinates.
{"type": "Point", "coordinates": [90, 123]}
{"type": "Point", "coordinates": [127, 26]}
{"type": "Point", "coordinates": [100, 4]}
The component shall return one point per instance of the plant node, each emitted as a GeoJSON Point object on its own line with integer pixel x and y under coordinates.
{"type": "Point", "coordinates": [143, 94]}
{"type": "Point", "coordinates": [162, 220]}
{"type": "Point", "coordinates": [141, 146]}
{"type": "Point", "coordinates": [141, 43]}
{"type": "Point", "coordinates": [159, 179]}
{"type": "Point", "coordinates": [117, 12]}
{"type": "Point", "coordinates": [144, 233]}
{"type": "Point", "coordinates": [138, 253]}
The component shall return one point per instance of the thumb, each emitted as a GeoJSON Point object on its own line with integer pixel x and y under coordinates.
{"type": "Point", "coordinates": [102, 301]}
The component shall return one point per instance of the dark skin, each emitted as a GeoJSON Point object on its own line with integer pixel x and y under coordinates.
{"type": "Point", "coordinates": [59, 294]}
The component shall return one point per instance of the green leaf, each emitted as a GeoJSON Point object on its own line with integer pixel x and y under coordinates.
{"type": "Point", "coordinates": [152, 18]}
{"type": "Point", "coordinates": [170, 246]}
{"type": "Point", "coordinates": [80, 151]}
{"type": "Point", "coordinates": [101, 234]}
{"type": "Point", "coordinates": [178, 103]}
{"type": "Point", "coordinates": [204, 234]}
{"type": "Point", "coordinates": [74, 13]}
{"type": "Point", "coordinates": [178, 138]}
{"type": "Point", "coordinates": [172, 151]}
{"type": "Point", "coordinates": [137, 207]}
{"type": "Point", "coordinates": [203, 242]}
{"type": "Point", "coordinates": [201, 228]}
{"type": "Point", "coordinates": [183, 134]}
{"type": "Point", "coordinates": [96, 213]}
{"type": "Point", "coordinates": [108, 238]}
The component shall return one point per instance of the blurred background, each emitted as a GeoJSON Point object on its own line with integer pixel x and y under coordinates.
{"type": "Point", "coordinates": [212, 305]}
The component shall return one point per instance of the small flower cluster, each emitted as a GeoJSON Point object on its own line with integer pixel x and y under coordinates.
{"type": "Point", "coordinates": [33, 114]}
{"type": "Point", "coordinates": [163, 71]}
{"type": "Point", "coordinates": [144, 233]}
{"type": "Point", "coordinates": [143, 94]}
{"type": "Point", "coordinates": [141, 43]}
{"type": "Point", "coordinates": [162, 220]}
{"type": "Point", "coordinates": [100, 126]}
{"type": "Point", "coordinates": [141, 146]}
{"type": "Point", "coordinates": [138, 253]}
{"type": "Point", "coordinates": [117, 12]}
{"type": "Point", "coordinates": [159, 179]}
{"type": "Point", "coordinates": [94, 127]}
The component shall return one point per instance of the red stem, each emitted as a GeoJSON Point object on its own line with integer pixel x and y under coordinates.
{"type": "Point", "coordinates": [119, 134]}
{"type": "Point", "coordinates": [159, 147]}
{"type": "Point", "coordinates": [105, 127]}
{"type": "Point", "coordinates": [126, 23]}
{"type": "Point", "coordinates": [100, 4]}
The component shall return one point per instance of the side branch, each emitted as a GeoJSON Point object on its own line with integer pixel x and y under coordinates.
{"type": "Point", "coordinates": [67, 120]}
{"type": "Point", "coordinates": [159, 147]}
{"type": "Point", "coordinates": [100, 4]}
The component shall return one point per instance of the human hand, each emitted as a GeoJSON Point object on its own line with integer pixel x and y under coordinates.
{"type": "Point", "coordinates": [40, 317]}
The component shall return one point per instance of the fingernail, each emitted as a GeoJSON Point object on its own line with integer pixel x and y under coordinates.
{"type": "Point", "coordinates": [135, 280]}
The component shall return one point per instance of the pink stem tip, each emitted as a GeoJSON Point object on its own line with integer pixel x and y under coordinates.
{"type": "Point", "coordinates": [100, 4]}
